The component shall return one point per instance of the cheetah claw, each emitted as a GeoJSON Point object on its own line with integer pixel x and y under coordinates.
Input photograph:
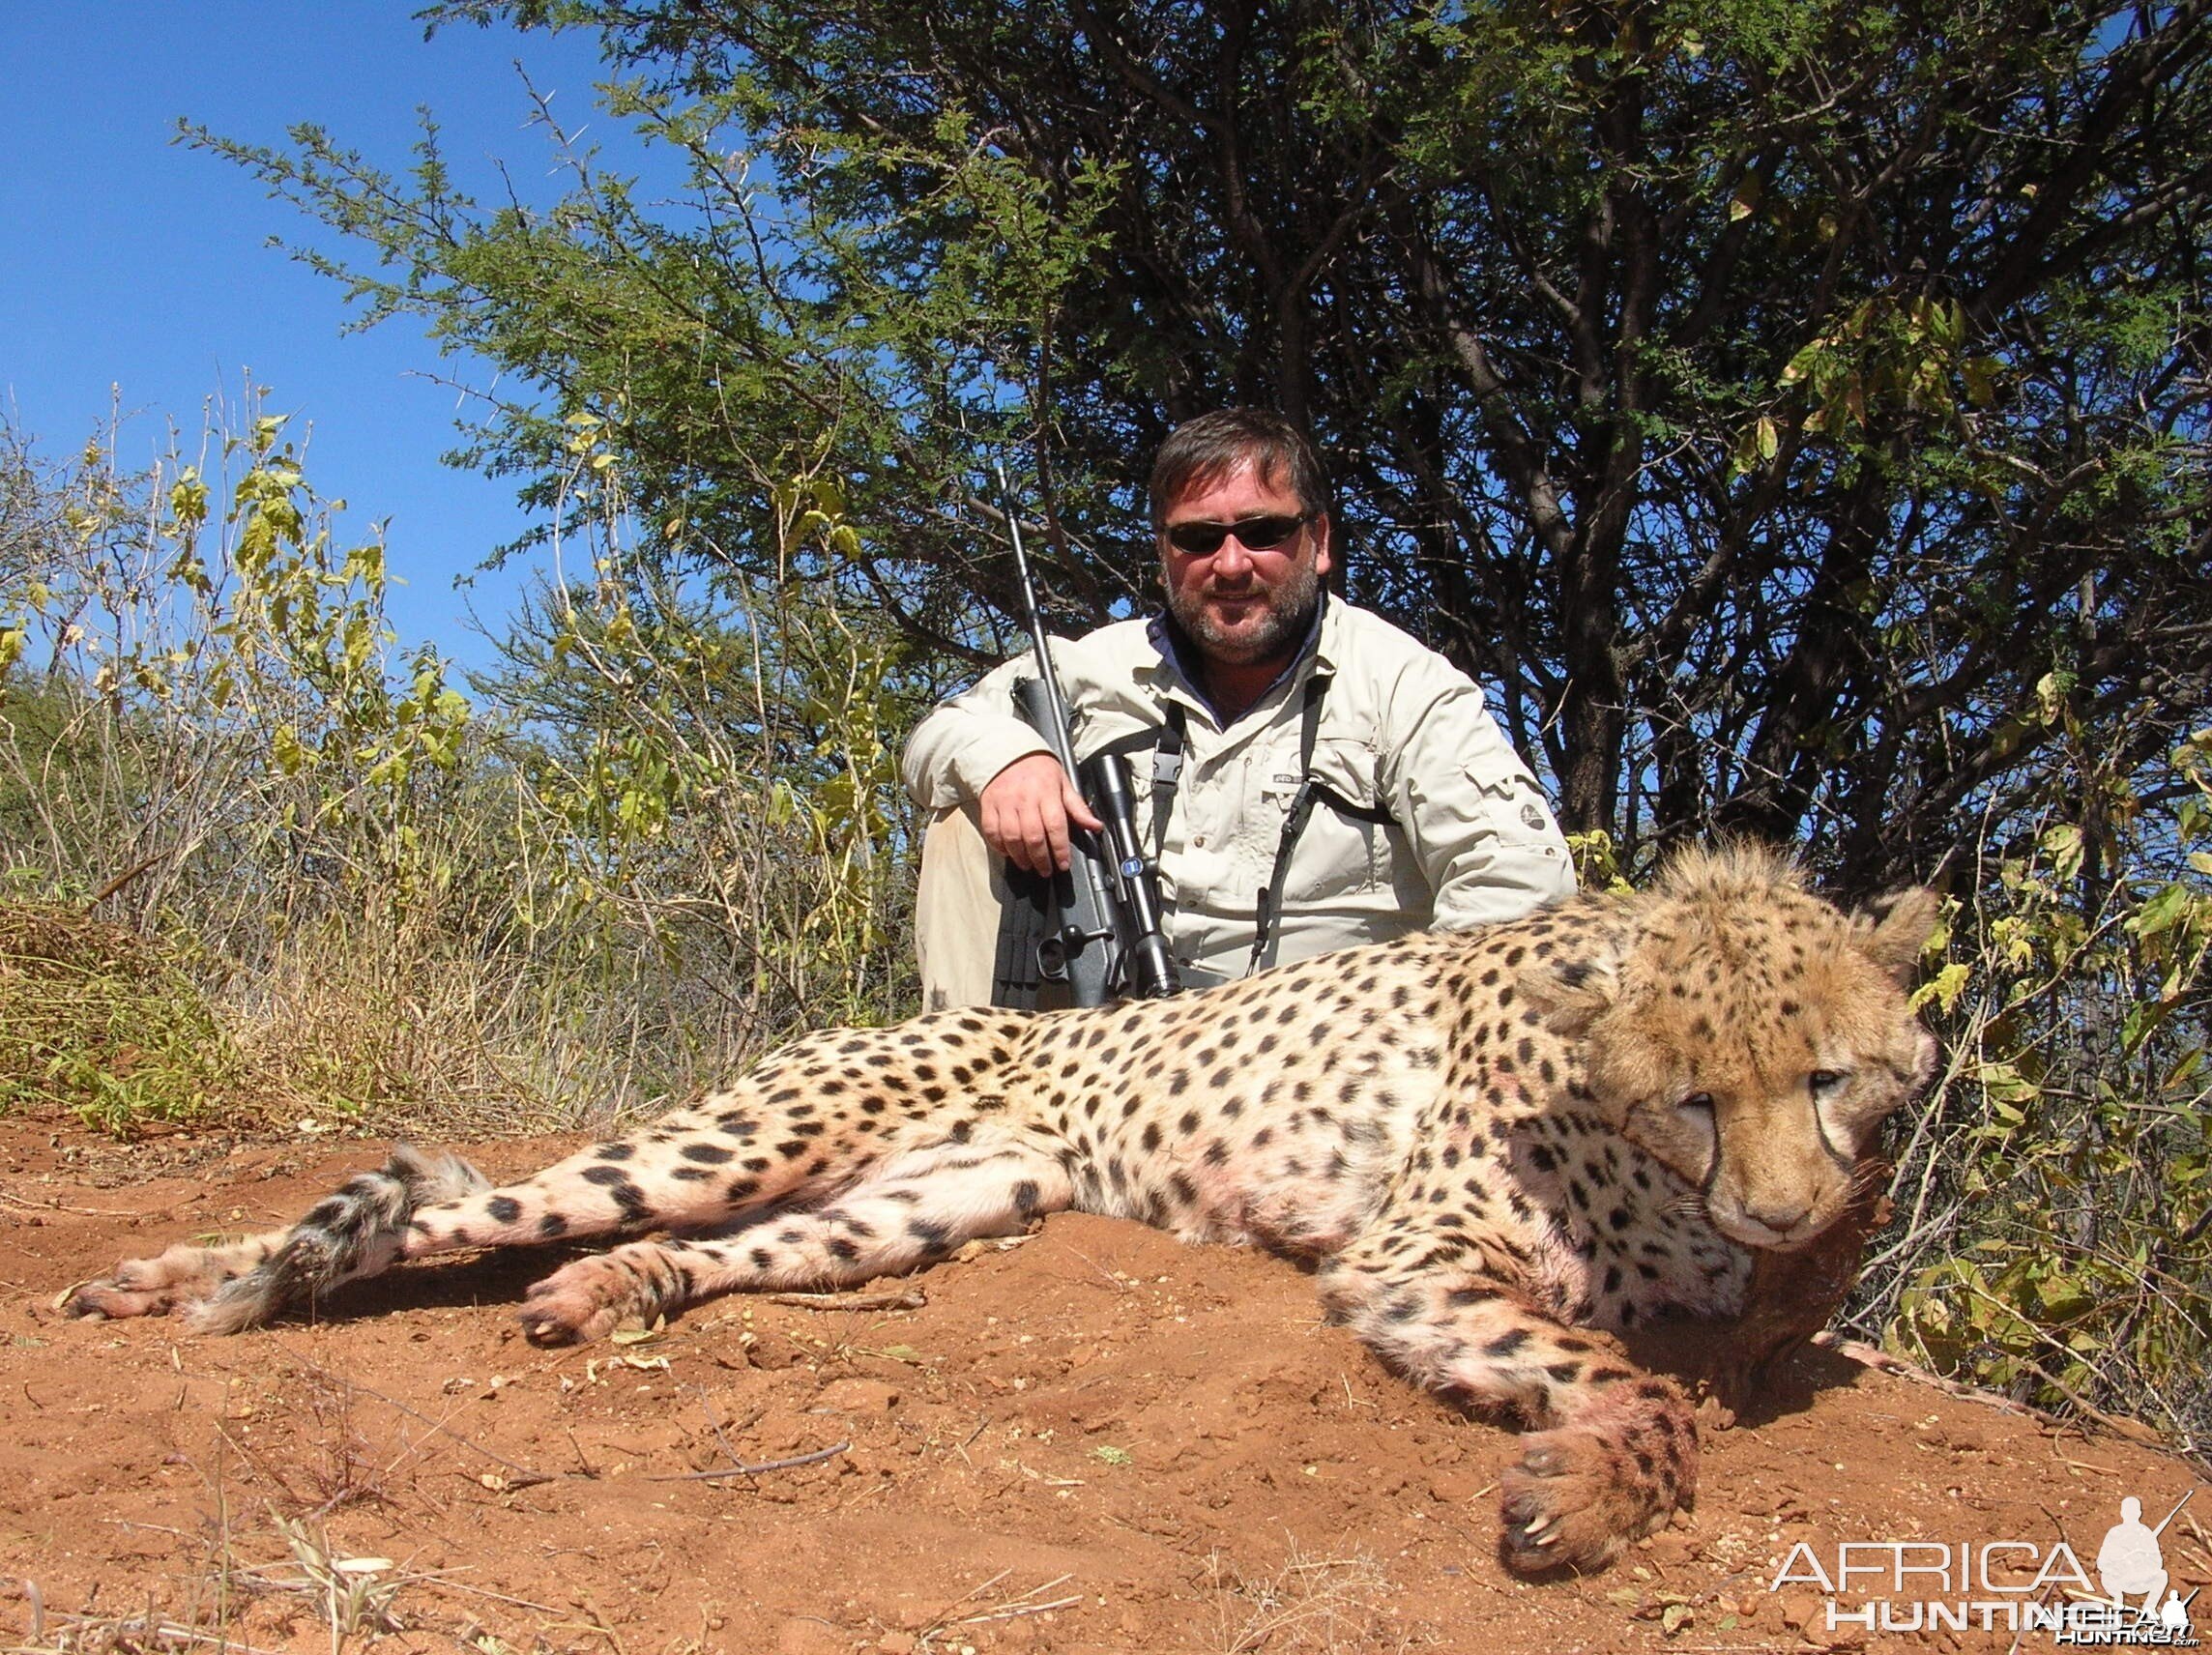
{"type": "Point", "coordinates": [1576, 1498]}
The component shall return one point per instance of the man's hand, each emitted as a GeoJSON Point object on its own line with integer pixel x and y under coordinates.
{"type": "Point", "coordinates": [1024, 809]}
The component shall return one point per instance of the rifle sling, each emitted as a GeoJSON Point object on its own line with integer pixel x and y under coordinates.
{"type": "Point", "coordinates": [1167, 744]}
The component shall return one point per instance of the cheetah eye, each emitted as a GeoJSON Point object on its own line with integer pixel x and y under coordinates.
{"type": "Point", "coordinates": [1699, 1104]}
{"type": "Point", "coordinates": [1827, 1082]}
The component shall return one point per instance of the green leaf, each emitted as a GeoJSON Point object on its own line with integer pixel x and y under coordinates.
{"type": "Point", "coordinates": [2168, 907]}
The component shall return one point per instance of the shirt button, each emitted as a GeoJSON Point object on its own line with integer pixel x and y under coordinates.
{"type": "Point", "coordinates": [1198, 839]}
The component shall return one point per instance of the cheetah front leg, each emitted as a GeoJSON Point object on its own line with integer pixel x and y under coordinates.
{"type": "Point", "coordinates": [1616, 1448]}
{"type": "Point", "coordinates": [910, 1212]}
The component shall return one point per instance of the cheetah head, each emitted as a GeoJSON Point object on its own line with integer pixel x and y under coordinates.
{"type": "Point", "coordinates": [1751, 1036]}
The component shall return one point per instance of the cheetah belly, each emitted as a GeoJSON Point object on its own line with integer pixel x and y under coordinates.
{"type": "Point", "coordinates": [1304, 1163]}
{"type": "Point", "coordinates": [1288, 1151]}
{"type": "Point", "coordinates": [1255, 1199]}
{"type": "Point", "coordinates": [1292, 1188]}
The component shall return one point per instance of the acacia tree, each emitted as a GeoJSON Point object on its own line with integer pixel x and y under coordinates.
{"type": "Point", "coordinates": [1780, 403]}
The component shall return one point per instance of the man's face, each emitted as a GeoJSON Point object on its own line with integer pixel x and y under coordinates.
{"type": "Point", "coordinates": [1241, 605]}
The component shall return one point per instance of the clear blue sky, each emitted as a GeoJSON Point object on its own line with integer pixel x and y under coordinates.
{"type": "Point", "coordinates": [133, 262]}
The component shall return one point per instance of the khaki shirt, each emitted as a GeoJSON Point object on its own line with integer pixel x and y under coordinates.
{"type": "Point", "coordinates": [1470, 840]}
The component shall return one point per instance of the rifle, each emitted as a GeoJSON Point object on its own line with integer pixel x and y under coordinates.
{"type": "Point", "coordinates": [1101, 935]}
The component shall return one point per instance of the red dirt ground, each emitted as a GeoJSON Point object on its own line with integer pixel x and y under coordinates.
{"type": "Point", "coordinates": [1095, 1441]}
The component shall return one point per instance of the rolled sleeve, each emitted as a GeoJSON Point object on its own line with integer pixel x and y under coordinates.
{"type": "Point", "coordinates": [956, 751]}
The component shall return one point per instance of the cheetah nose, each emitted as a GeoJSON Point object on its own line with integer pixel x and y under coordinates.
{"type": "Point", "coordinates": [1779, 1217]}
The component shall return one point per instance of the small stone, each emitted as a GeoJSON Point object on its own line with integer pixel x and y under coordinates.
{"type": "Point", "coordinates": [870, 1397]}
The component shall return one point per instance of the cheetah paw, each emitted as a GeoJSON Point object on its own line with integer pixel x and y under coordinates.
{"type": "Point", "coordinates": [145, 1287]}
{"type": "Point", "coordinates": [576, 1304]}
{"type": "Point", "coordinates": [1576, 1498]}
{"type": "Point", "coordinates": [115, 1300]}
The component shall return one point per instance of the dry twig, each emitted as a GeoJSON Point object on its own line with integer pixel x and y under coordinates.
{"type": "Point", "coordinates": [796, 1460]}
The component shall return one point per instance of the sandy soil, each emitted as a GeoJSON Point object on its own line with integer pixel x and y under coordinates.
{"type": "Point", "coordinates": [1095, 1441]}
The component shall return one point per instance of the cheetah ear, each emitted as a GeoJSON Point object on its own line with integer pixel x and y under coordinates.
{"type": "Point", "coordinates": [1573, 994]}
{"type": "Point", "coordinates": [1893, 929]}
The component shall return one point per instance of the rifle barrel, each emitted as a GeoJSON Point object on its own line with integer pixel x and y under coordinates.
{"type": "Point", "coordinates": [1057, 731]}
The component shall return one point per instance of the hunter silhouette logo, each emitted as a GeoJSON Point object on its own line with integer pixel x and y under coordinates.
{"type": "Point", "coordinates": [2130, 1561]}
{"type": "Point", "coordinates": [2012, 1585]}
{"type": "Point", "coordinates": [2130, 1564]}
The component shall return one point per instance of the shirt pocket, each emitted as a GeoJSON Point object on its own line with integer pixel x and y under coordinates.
{"type": "Point", "coordinates": [1341, 853]}
{"type": "Point", "coordinates": [1515, 807]}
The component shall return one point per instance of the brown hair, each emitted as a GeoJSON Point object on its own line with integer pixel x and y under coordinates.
{"type": "Point", "coordinates": [1206, 450]}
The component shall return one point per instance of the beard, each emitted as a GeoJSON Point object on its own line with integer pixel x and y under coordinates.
{"type": "Point", "coordinates": [1272, 632]}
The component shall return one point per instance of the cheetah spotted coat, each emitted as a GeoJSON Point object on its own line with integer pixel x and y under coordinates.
{"type": "Point", "coordinates": [1499, 1146]}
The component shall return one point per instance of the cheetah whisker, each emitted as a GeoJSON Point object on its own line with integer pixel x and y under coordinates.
{"type": "Point", "coordinates": [1869, 1175]}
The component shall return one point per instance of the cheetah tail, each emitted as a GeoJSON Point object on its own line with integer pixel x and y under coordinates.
{"type": "Point", "coordinates": [346, 1235]}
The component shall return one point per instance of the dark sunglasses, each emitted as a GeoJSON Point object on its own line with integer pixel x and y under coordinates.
{"type": "Point", "coordinates": [1253, 534]}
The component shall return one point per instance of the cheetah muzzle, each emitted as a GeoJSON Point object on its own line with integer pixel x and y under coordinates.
{"type": "Point", "coordinates": [1500, 1147]}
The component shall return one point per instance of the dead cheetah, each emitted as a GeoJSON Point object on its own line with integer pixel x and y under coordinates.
{"type": "Point", "coordinates": [1500, 1147]}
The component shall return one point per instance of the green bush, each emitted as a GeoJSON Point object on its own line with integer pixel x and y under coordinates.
{"type": "Point", "coordinates": [2055, 1235]}
{"type": "Point", "coordinates": [668, 838]}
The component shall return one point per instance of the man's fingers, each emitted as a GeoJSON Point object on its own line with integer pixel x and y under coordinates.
{"type": "Point", "coordinates": [1076, 811]}
{"type": "Point", "coordinates": [1055, 836]}
{"type": "Point", "coordinates": [1044, 835]}
{"type": "Point", "coordinates": [1004, 832]}
{"type": "Point", "coordinates": [1022, 831]}
{"type": "Point", "coordinates": [1026, 810]}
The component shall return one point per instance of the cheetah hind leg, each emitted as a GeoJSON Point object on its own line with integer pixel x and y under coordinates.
{"type": "Point", "coordinates": [352, 1232]}
{"type": "Point", "coordinates": [910, 1212]}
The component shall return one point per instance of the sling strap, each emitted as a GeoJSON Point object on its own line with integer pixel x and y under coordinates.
{"type": "Point", "coordinates": [1311, 789]}
{"type": "Point", "coordinates": [1167, 742]}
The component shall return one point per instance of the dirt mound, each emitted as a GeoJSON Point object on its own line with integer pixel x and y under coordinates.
{"type": "Point", "coordinates": [1095, 1441]}
{"type": "Point", "coordinates": [52, 943]}
{"type": "Point", "coordinates": [100, 1022]}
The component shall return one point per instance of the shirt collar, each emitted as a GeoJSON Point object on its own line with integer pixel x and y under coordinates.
{"type": "Point", "coordinates": [1178, 653]}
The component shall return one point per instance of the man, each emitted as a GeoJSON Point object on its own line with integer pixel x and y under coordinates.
{"type": "Point", "coordinates": [1279, 702]}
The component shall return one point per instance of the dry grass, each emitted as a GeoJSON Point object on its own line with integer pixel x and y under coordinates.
{"type": "Point", "coordinates": [1309, 1606]}
{"type": "Point", "coordinates": [261, 1570]}
{"type": "Point", "coordinates": [390, 906]}
{"type": "Point", "coordinates": [224, 1600]}
{"type": "Point", "coordinates": [98, 1020]}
